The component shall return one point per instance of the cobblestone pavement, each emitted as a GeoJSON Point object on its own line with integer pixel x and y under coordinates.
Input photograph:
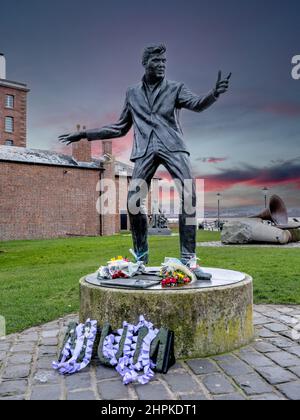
{"type": "Point", "coordinates": [269, 369]}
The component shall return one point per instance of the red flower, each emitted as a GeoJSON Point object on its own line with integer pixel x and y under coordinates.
{"type": "Point", "coordinates": [119, 274]}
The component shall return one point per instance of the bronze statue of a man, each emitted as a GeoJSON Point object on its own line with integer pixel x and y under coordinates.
{"type": "Point", "coordinates": [152, 108]}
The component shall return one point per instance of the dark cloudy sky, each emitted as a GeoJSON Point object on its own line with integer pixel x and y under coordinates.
{"type": "Point", "coordinates": [78, 57]}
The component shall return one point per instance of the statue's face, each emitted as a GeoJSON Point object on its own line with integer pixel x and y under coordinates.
{"type": "Point", "coordinates": [156, 66]}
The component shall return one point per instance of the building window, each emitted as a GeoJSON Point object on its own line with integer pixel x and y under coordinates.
{"type": "Point", "coordinates": [9, 101]}
{"type": "Point", "coordinates": [9, 124]}
{"type": "Point", "coordinates": [9, 142]}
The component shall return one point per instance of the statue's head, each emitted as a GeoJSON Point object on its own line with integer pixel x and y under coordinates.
{"type": "Point", "coordinates": [154, 60]}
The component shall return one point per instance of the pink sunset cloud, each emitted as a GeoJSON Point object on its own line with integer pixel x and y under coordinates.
{"type": "Point", "coordinates": [212, 159]}
{"type": "Point", "coordinates": [286, 109]}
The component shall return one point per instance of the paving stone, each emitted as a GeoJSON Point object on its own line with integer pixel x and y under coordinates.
{"type": "Point", "coordinates": [235, 367]}
{"type": "Point", "coordinates": [2, 356]}
{"type": "Point", "coordinates": [267, 397]}
{"type": "Point", "coordinates": [260, 320]}
{"type": "Point", "coordinates": [45, 363]}
{"type": "Point", "coordinates": [281, 342]}
{"type": "Point", "coordinates": [50, 333]}
{"type": "Point", "coordinates": [152, 391]}
{"type": "Point", "coordinates": [9, 388]}
{"type": "Point", "coordinates": [23, 347]}
{"type": "Point", "coordinates": [291, 390]}
{"type": "Point", "coordinates": [32, 330]}
{"type": "Point", "coordinates": [292, 335]}
{"type": "Point", "coordinates": [265, 333]}
{"type": "Point", "coordinates": [80, 380]}
{"type": "Point", "coordinates": [196, 397]}
{"type": "Point", "coordinates": [15, 398]}
{"type": "Point", "coordinates": [176, 366]}
{"type": "Point", "coordinates": [30, 337]}
{"type": "Point", "coordinates": [44, 350]}
{"type": "Point", "coordinates": [290, 320]}
{"type": "Point", "coordinates": [264, 347]}
{"type": "Point", "coordinates": [276, 375]}
{"type": "Point", "coordinates": [46, 392]}
{"type": "Point", "coordinates": [53, 326]}
{"type": "Point", "coordinates": [295, 370]}
{"type": "Point", "coordinates": [16, 372]}
{"type": "Point", "coordinates": [272, 313]}
{"type": "Point", "coordinates": [284, 359]}
{"type": "Point", "coordinates": [113, 390]}
{"type": "Point", "coordinates": [225, 358]}
{"type": "Point", "coordinates": [229, 397]}
{"type": "Point", "coordinates": [202, 366]}
{"type": "Point", "coordinates": [46, 377]}
{"type": "Point", "coordinates": [276, 317]}
{"type": "Point", "coordinates": [20, 358]}
{"type": "Point", "coordinates": [5, 345]}
{"type": "Point", "coordinates": [181, 382]}
{"type": "Point", "coordinates": [103, 372]}
{"type": "Point", "coordinates": [218, 384]}
{"type": "Point", "coordinates": [52, 341]}
{"type": "Point", "coordinates": [82, 395]}
{"type": "Point", "coordinates": [252, 384]}
{"type": "Point", "coordinates": [260, 309]}
{"type": "Point", "coordinates": [276, 327]}
{"type": "Point", "coordinates": [285, 309]}
{"type": "Point", "coordinates": [294, 350]}
{"type": "Point", "coordinates": [254, 358]}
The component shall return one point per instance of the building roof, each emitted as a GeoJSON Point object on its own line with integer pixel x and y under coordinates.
{"type": "Point", "coordinates": [44, 157]}
{"type": "Point", "coordinates": [47, 157]}
{"type": "Point", "coordinates": [14, 85]}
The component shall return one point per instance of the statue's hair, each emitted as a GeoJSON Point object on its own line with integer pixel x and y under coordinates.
{"type": "Point", "coordinates": [152, 49]}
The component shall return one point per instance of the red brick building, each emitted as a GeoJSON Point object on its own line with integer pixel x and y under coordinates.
{"type": "Point", "coordinates": [13, 100]}
{"type": "Point", "coordinates": [44, 194]}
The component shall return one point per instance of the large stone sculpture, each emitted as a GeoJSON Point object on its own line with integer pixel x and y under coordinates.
{"type": "Point", "coordinates": [269, 226]}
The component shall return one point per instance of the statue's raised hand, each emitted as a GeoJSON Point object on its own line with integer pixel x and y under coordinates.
{"type": "Point", "coordinates": [221, 85]}
{"type": "Point", "coordinates": [71, 138]}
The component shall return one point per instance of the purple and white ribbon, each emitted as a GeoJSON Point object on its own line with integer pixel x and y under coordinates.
{"type": "Point", "coordinates": [125, 366]}
{"type": "Point", "coordinates": [85, 338]}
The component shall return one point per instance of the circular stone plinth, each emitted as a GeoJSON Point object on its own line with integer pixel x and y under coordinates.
{"type": "Point", "coordinates": [208, 319]}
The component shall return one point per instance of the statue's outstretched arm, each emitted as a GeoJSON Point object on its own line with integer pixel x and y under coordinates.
{"type": "Point", "coordinates": [119, 129]}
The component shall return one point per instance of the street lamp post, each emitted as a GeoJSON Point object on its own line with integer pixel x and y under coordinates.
{"type": "Point", "coordinates": [219, 198]}
{"type": "Point", "coordinates": [265, 191]}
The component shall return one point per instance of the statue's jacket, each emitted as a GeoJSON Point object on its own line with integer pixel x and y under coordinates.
{"type": "Point", "coordinates": [160, 116]}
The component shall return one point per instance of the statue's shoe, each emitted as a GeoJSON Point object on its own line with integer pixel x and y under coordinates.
{"type": "Point", "coordinates": [200, 274]}
{"type": "Point", "coordinates": [194, 267]}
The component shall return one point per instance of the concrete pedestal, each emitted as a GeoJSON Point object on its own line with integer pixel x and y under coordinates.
{"type": "Point", "coordinates": [159, 232]}
{"type": "Point", "coordinates": [208, 318]}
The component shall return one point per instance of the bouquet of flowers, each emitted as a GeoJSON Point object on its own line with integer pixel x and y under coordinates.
{"type": "Point", "coordinates": [119, 267]}
{"type": "Point", "coordinates": [175, 274]}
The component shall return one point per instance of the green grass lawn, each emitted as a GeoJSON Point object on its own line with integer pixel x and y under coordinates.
{"type": "Point", "coordinates": [39, 279]}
